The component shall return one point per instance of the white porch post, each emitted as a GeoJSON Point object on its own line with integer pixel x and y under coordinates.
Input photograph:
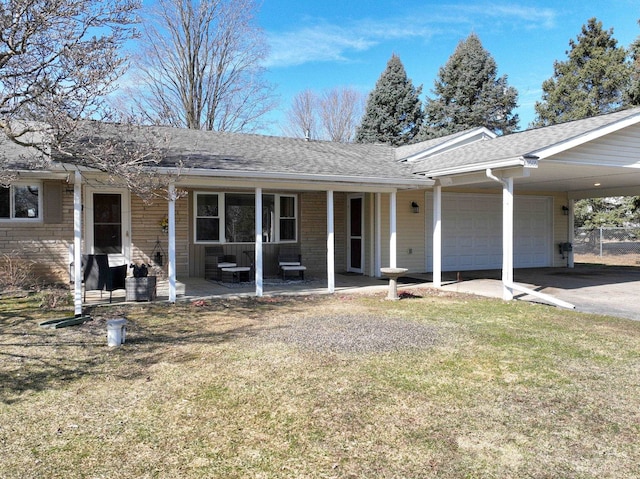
{"type": "Point", "coordinates": [77, 243]}
{"type": "Point", "coordinates": [507, 239]}
{"type": "Point", "coordinates": [172, 243]}
{"type": "Point", "coordinates": [331, 273]}
{"type": "Point", "coordinates": [258, 258]}
{"type": "Point", "coordinates": [392, 228]}
{"type": "Point", "coordinates": [571, 235]}
{"type": "Point", "coordinates": [378, 236]}
{"type": "Point", "coordinates": [437, 236]}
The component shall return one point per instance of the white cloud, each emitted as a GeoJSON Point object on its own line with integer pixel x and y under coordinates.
{"type": "Point", "coordinates": [316, 43]}
{"type": "Point", "coordinates": [324, 42]}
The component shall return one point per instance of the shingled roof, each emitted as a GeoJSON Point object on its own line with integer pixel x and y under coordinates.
{"type": "Point", "coordinates": [258, 153]}
{"type": "Point", "coordinates": [520, 145]}
{"type": "Point", "coordinates": [236, 154]}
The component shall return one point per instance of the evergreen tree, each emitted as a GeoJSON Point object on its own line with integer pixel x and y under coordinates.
{"type": "Point", "coordinates": [593, 80]}
{"type": "Point", "coordinates": [393, 113]}
{"type": "Point", "coordinates": [468, 94]}
{"type": "Point", "coordinates": [634, 88]}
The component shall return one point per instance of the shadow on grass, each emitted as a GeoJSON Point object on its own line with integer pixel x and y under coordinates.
{"type": "Point", "coordinates": [33, 358]}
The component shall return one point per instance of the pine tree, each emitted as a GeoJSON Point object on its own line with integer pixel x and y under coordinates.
{"type": "Point", "coordinates": [633, 93]}
{"type": "Point", "coordinates": [468, 94]}
{"type": "Point", "coordinates": [393, 113]}
{"type": "Point", "coordinates": [593, 80]}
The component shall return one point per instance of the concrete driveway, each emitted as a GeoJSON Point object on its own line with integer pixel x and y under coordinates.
{"type": "Point", "coordinates": [611, 290]}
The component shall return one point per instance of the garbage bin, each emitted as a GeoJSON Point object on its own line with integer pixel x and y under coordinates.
{"type": "Point", "coordinates": [116, 332]}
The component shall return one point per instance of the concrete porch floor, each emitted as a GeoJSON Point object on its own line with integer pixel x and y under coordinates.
{"type": "Point", "coordinates": [191, 289]}
{"type": "Point", "coordinates": [597, 289]}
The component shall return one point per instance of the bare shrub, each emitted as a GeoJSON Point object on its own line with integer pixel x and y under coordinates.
{"type": "Point", "coordinates": [16, 273]}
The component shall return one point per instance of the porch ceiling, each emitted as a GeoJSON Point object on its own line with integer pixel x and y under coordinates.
{"type": "Point", "coordinates": [579, 181]}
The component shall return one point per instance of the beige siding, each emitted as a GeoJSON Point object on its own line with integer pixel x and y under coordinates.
{"type": "Point", "coordinates": [560, 228]}
{"type": "Point", "coordinates": [146, 230]}
{"type": "Point", "coordinates": [313, 231]}
{"type": "Point", "coordinates": [44, 246]}
{"type": "Point", "coordinates": [410, 227]}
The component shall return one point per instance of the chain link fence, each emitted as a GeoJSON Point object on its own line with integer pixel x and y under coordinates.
{"type": "Point", "coordinates": [621, 244]}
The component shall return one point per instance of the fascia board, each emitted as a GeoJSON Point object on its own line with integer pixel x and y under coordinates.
{"type": "Point", "coordinates": [529, 162]}
{"type": "Point", "coordinates": [586, 137]}
{"type": "Point", "coordinates": [297, 177]}
{"type": "Point", "coordinates": [449, 144]}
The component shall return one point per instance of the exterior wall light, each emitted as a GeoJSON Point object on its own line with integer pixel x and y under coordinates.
{"type": "Point", "coordinates": [415, 207]}
{"type": "Point", "coordinates": [565, 210]}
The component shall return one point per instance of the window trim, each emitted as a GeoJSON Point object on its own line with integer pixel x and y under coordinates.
{"type": "Point", "coordinates": [222, 216]}
{"type": "Point", "coordinates": [221, 207]}
{"type": "Point", "coordinates": [12, 198]}
{"type": "Point", "coordinates": [280, 218]}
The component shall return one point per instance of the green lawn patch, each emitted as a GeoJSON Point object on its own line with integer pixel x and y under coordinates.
{"type": "Point", "coordinates": [439, 385]}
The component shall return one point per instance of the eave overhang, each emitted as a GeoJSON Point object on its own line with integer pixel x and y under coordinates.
{"type": "Point", "coordinates": [526, 161]}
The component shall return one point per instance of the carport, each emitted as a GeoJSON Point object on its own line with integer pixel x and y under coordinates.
{"type": "Point", "coordinates": [592, 288]}
{"type": "Point", "coordinates": [594, 157]}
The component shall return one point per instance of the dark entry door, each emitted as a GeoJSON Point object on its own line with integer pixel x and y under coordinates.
{"type": "Point", "coordinates": [355, 251]}
{"type": "Point", "coordinates": [107, 223]}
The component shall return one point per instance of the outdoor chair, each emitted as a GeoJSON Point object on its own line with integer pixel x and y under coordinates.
{"type": "Point", "coordinates": [290, 259]}
{"type": "Point", "coordinates": [98, 275]}
{"type": "Point", "coordinates": [215, 260]}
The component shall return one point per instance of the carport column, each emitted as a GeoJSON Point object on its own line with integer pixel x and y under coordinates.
{"type": "Point", "coordinates": [378, 237]}
{"type": "Point", "coordinates": [437, 236]}
{"type": "Point", "coordinates": [172, 243]}
{"type": "Point", "coordinates": [392, 233]}
{"type": "Point", "coordinates": [258, 258]}
{"type": "Point", "coordinates": [571, 231]}
{"type": "Point", "coordinates": [77, 243]}
{"type": "Point", "coordinates": [331, 273]}
{"type": "Point", "coordinates": [507, 238]}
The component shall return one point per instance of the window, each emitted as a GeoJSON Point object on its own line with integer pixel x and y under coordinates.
{"type": "Point", "coordinates": [288, 218]}
{"type": "Point", "coordinates": [207, 217]}
{"type": "Point", "coordinates": [239, 218]}
{"type": "Point", "coordinates": [230, 218]}
{"type": "Point", "coordinates": [20, 202]}
{"type": "Point", "coordinates": [107, 223]}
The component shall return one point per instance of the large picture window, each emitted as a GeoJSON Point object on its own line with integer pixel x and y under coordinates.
{"type": "Point", "coordinates": [20, 202]}
{"type": "Point", "coordinates": [230, 218]}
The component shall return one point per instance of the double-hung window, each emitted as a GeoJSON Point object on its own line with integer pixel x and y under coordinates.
{"type": "Point", "coordinates": [21, 202]}
{"type": "Point", "coordinates": [207, 217]}
{"type": "Point", "coordinates": [230, 218]}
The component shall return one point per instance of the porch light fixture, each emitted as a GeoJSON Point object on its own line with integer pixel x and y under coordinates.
{"type": "Point", "coordinates": [415, 207]}
{"type": "Point", "coordinates": [565, 210]}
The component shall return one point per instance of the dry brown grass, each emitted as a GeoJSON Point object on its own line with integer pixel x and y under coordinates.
{"type": "Point", "coordinates": [487, 389]}
{"type": "Point", "coordinates": [611, 260]}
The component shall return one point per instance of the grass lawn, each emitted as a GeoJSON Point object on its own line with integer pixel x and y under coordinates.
{"type": "Point", "coordinates": [440, 385]}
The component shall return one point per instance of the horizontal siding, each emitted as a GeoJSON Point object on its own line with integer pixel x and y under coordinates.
{"type": "Point", "coordinates": [618, 149]}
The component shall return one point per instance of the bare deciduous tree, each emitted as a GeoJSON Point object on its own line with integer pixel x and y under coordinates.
{"type": "Point", "coordinates": [336, 111]}
{"type": "Point", "coordinates": [58, 61]}
{"type": "Point", "coordinates": [200, 66]}
{"type": "Point", "coordinates": [340, 113]}
{"type": "Point", "coordinates": [301, 117]}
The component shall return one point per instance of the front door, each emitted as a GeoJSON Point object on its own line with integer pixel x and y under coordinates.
{"type": "Point", "coordinates": [355, 246]}
{"type": "Point", "coordinates": [107, 225]}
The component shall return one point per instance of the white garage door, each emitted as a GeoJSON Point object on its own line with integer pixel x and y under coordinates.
{"type": "Point", "coordinates": [472, 232]}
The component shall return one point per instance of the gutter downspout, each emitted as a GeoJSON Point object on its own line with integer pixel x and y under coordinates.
{"type": "Point", "coordinates": [507, 247]}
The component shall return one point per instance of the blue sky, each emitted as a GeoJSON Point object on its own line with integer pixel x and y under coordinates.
{"type": "Point", "coordinates": [323, 44]}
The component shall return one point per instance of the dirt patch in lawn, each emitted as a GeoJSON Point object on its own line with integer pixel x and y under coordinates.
{"type": "Point", "coordinates": [347, 333]}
